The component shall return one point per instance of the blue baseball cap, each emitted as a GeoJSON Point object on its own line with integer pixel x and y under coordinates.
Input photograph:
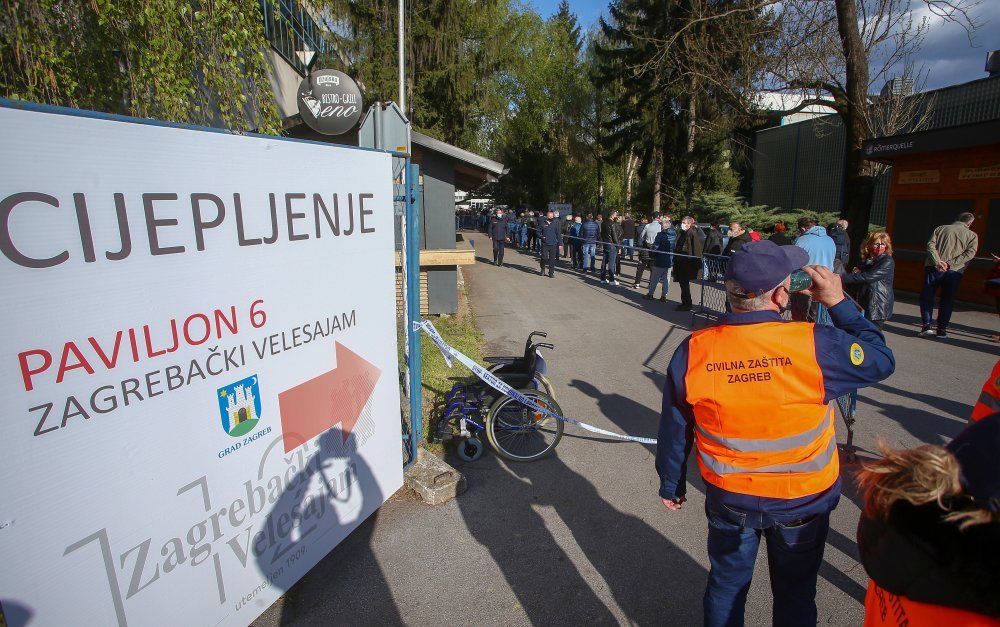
{"type": "Point", "coordinates": [977, 448]}
{"type": "Point", "coordinates": [759, 267]}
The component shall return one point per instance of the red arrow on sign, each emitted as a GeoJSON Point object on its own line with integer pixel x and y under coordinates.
{"type": "Point", "coordinates": [337, 396]}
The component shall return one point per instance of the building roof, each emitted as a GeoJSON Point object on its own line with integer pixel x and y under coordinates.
{"type": "Point", "coordinates": [471, 170]}
{"type": "Point", "coordinates": [777, 101]}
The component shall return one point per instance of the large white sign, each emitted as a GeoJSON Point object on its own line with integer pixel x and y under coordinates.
{"type": "Point", "coordinates": [199, 368]}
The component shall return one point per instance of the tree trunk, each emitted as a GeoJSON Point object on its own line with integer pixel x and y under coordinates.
{"type": "Point", "coordinates": [600, 183]}
{"type": "Point", "coordinates": [692, 129]}
{"type": "Point", "coordinates": [858, 187]}
{"type": "Point", "coordinates": [631, 165]}
{"type": "Point", "coordinates": [657, 179]}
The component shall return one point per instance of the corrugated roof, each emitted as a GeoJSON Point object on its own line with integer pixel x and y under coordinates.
{"type": "Point", "coordinates": [493, 167]}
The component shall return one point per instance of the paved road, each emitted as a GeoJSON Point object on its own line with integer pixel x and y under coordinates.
{"type": "Point", "coordinates": [581, 537]}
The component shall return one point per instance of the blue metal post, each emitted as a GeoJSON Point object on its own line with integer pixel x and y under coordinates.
{"type": "Point", "coordinates": [413, 302]}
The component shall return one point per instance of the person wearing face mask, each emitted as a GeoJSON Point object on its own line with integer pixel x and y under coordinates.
{"type": "Point", "coordinates": [688, 264]}
{"type": "Point", "coordinates": [875, 275]}
{"type": "Point", "coordinates": [753, 396]}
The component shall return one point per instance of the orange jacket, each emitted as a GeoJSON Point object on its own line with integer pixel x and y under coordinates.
{"type": "Point", "coordinates": [989, 399]}
{"type": "Point", "coordinates": [777, 442]}
{"type": "Point", "coordinates": [885, 609]}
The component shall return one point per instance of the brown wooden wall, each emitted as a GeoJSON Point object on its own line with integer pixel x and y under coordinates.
{"type": "Point", "coordinates": [944, 183]}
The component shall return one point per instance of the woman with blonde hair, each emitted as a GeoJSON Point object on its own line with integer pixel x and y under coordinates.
{"type": "Point", "coordinates": [875, 274]}
{"type": "Point", "coordinates": [929, 535]}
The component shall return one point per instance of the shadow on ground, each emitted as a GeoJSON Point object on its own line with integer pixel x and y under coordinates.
{"type": "Point", "coordinates": [521, 513]}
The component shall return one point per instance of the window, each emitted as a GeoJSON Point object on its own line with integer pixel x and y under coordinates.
{"type": "Point", "coordinates": [991, 232]}
{"type": "Point", "coordinates": [292, 32]}
{"type": "Point", "coordinates": [915, 220]}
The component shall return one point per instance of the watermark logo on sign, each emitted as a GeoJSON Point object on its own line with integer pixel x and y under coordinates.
{"type": "Point", "coordinates": [239, 404]}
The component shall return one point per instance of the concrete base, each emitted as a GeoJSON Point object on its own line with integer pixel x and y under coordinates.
{"type": "Point", "coordinates": [435, 481]}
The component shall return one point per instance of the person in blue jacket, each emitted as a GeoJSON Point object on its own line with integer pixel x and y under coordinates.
{"type": "Point", "coordinates": [590, 230]}
{"type": "Point", "coordinates": [663, 259]}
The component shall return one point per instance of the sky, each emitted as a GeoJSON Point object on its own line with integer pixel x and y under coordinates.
{"type": "Point", "coordinates": [947, 55]}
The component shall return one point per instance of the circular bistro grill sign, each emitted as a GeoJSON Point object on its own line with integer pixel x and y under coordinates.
{"type": "Point", "coordinates": [329, 102]}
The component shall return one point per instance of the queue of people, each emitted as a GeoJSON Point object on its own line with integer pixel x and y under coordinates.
{"type": "Point", "coordinates": [583, 239]}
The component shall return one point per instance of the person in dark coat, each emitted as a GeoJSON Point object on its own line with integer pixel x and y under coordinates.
{"type": "Point", "coordinates": [628, 238]}
{"type": "Point", "coordinates": [737, 238]}
{"type": "Point", "coordinates": [687, 267]}
{"type": "Point", "coordinates": [713, 243]}
{"type": "Point", "coordinates": [550, 235]}
{"type": "Point", "coordinates": [498, 233]}
{"type": "Point", "coordinates": [611, 235]}
{"type": "Point", "coordinates": [838, 233]}
{"type": "Point", "coordinates": [929, 533]}
{"type": "Point", "coordinates": [875, 275]}
{"type": "Point", "coordinates": [780, 235]}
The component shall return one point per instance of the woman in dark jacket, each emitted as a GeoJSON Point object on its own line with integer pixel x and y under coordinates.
{"type": "Point", "coordinates": [929, 535]}
{"type": "Point", "coordinates": [875, 275]}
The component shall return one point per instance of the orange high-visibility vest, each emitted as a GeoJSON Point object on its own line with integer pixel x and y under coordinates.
{"type": "Point", "coordinates": [885, 609]}
{"type": "Point", "coordinates": [989, 399]}
{"type": "Point", "coordinates": [761, 426]}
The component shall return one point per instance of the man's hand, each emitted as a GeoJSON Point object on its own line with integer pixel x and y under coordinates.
{"type": "Point", "coordinates": [674, 505]}
{"type": "Point", "coordinates": [827, 288]}
{"type": "Point", "coordinates": [942, 266]}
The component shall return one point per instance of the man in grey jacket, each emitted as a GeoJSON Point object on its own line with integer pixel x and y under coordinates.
{"type": "Point", "coordinates": [949, 250]}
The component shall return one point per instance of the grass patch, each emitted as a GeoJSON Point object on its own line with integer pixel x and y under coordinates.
{"type": "Point", "coordinates": [461, 332]}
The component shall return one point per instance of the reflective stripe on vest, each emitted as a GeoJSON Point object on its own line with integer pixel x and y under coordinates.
{"type": "Point", "coordinates": [989, 398]}
{"type": "Point", "coordinates": [761, 424]}
{"type": "Point", "coordinates": [885, 609]}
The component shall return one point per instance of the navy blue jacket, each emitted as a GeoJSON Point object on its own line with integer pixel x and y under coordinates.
{"type": "Point", "coordinates": [840, 376]}
{"type": "Point", "coordinates": [662, 245]}
{"type": "Point", "coordinates": [498, 228]}
{"type": "Point", "coordinates": [550, 232]}
{"type": "Point", "coordinates": [590, 231]}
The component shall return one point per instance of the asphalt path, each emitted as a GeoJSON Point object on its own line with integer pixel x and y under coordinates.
{"type": "Point", "coordinates": [581, 536]}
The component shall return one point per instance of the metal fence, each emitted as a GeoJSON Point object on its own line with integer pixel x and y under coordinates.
{"type": "Point", "coordinates": [713, 303]}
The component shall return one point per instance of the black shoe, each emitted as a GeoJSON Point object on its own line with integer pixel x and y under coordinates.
{"type": "Point", "coordinates": [647, 297]}
{"type": "Point", "coordinates": [551, 276]}
{"type": "Point", "coordinates": [683, 308]}
{"type": "Point", "coordinates": [942, 333]}
{"type": "Point", "coordinates": [663, 299]}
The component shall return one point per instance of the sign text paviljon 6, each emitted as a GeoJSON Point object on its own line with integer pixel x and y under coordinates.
{"type": "Point", "coordinates": [200, 382]}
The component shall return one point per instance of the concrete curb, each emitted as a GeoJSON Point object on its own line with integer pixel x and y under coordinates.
{"type": "Point", "coordinates": [434, 480]}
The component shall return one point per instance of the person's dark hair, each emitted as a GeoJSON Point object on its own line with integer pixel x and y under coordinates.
{"type": "Point", "coordinates": [805, 222]}
{"type": "Point", "coordinates": [966, 217]}
{"type": "Point", "coordinates": [715, 226]}
{"type": "Point", "coordinates": [590, 216]}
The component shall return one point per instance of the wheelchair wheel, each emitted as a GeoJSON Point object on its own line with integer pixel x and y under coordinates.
{"type": "Point", "coordinates": [521, 434]}
{"type": "Point", "coordinates": [470, 449]}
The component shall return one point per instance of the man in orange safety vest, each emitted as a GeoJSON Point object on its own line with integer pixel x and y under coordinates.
{"type": "Point", "coordinates": [752, 396]}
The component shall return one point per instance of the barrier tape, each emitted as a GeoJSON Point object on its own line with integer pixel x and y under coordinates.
{"type": "Point", "coordinates": [496, 383]}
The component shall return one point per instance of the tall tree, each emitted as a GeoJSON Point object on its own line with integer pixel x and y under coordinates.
{"type": "Point", "coordinates": [836, 54]}
{"type": "Point", "coordinates": [164, 59]}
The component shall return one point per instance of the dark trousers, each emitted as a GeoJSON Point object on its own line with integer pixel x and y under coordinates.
{"type": "Point", "coordinates": [948, 282]}
{"type": "Point", "coordinates": [608, 265]}
{"type": "Point", "coordinates": [577, 256]}
{"type": "Point", "coordinates": [549, 254]}
{"type": "Point", "coordinates": [532, 238]}
{"type": "Point", "coordinates": [498, 245]}
{"type": "Point", "coordinates": [794, 554]}
{"type": "Point", "coordinates": [685, 285]}
{"type": "Point", "coordinates": [640, 268]}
